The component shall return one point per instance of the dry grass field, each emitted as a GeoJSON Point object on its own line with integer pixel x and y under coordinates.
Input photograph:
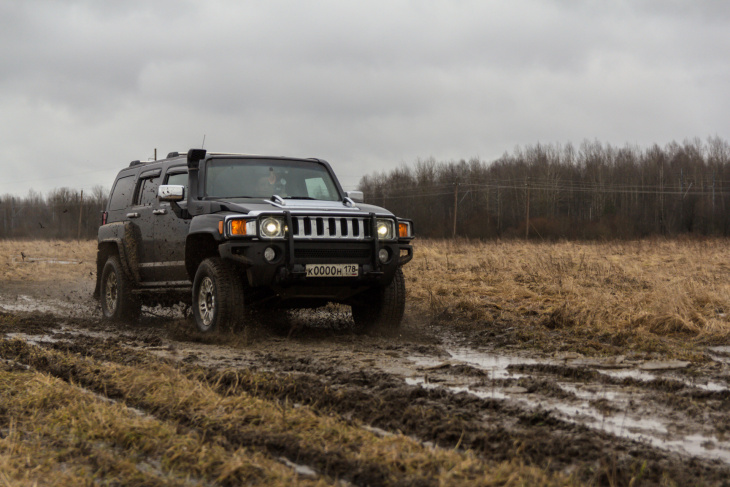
{"type": "Point", "coordinates": [593, 297]}
{"type": "Point", "coordinates": [153, 402]}
{"type": "Point", "coordinates": [647, 294]}
{"type": "Point", "coordinates": [47, 260]}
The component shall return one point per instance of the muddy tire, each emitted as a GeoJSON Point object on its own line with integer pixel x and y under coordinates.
{"type": "Point", "coordinates": [117, 301]}
{"type": "Point", "coordinates": [382, 307]}
{"type": "Point", "coordinates": [217, 296]}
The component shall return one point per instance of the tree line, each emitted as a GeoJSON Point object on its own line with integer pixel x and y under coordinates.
{"type": "Point", "coordinates": [554, 191]}
{"type": "Point", "coordinates": [544, 191]}
{"type": "Point", "coordinates": [62, 214]}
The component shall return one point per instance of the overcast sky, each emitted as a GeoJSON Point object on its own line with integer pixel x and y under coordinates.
{"type": "Point", "coordinates": [87, 86]}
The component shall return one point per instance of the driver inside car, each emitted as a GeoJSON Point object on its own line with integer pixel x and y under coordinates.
{"type": "Point", "coordinates": [272, 184]}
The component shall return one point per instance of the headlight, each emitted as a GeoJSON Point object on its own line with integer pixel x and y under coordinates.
{"type": "Point", "coordinates": [385, 229]}
{"type": "Point", "coordinates": [272, 227]}
{"type": "Point", "coordinates": [241, 227]}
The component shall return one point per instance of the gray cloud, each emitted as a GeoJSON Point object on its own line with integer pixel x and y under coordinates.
{"type": "Point", "coordinates": [368, 85]}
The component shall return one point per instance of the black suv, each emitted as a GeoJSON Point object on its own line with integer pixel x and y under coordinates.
{"type": "Point", "coordinates": [230, 232]}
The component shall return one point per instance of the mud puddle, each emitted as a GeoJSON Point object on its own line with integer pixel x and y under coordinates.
{"type": "Point", "coordinates": [626, 411]}
{"type": "Point", "coordinates": [608, 408]}
{"type": "Point", "coordinates": [25, 303]}
{"type": "Point", "coordinates": [73, 305]}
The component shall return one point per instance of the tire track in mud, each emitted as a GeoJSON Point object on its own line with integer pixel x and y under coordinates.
{"type": "Point", "coordinates": [367, 458]}
{"type": "Point", "coordinates": [674, 411]}
{"type": "Point", "coordinates": [333, 465]}
{"type": "Point", "coordinates": [496, 429]}
{"type": "Point", "coordinates": [46, 422]}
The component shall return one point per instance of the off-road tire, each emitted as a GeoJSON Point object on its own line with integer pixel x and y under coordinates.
{"type": "Point", "coordinates": [382, 307]}
{"type": "Point", "coordinates": [117, 301]}
{"type": "Point", "coordinates": [217, 296]}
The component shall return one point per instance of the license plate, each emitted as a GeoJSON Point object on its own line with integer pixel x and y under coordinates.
{"type": "Point", "coordinates": [332, 270]}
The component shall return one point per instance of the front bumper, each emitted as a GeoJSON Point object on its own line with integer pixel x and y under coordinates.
{"type": "Point", "coordinates": [289, 266]}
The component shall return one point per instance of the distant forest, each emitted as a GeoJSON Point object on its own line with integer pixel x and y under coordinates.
{"type": "Point", "coordinates": [62, 214]}
{"type": "Point", "coordinates": [594, 191]}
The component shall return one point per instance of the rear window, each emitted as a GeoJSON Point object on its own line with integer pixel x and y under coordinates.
{"type": "Point", "coordinates": [122, 193]}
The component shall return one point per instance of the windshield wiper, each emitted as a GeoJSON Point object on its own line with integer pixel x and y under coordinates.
{"type": "Point", "coordinates": [298, 198]}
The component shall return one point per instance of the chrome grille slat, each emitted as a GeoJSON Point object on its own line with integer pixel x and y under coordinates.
{"type": "Point", "coordinates": [339, 227]}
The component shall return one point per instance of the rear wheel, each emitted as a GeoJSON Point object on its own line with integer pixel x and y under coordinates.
{"type": "Point", "coordinates": [117, 301]}
{"type": "Point", "coordinates": [382, 307]}
{"type": "Point", "coordinates": [217, 296]}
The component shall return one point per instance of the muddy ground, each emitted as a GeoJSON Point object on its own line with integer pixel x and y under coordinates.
{"type": "Point", "coordinates": [605, 421]}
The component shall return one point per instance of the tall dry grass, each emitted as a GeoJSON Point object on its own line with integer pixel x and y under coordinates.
{"type": "Point", "coordinates": [659, 287]}
{"type": "Point", "coordinates": [655, 287]}
{"type": "Point", "coordinates": [47, 260]}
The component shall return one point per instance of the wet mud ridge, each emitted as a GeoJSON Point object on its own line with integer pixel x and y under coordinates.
{"type": "Point", "coordinates": [609, 421]}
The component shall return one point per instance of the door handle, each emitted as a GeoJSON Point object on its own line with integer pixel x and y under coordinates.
{"type": "Point", "coordinates": [159, 212]}
{"type": "Point", "coordinates": [132, 215]}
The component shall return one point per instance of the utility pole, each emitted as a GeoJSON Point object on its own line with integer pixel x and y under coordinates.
{"type": "Point", "coordinates": [499, 212]}
{"type": "Point", "coordinates": [155, 153]}
{"type": "Point", "coordinates": [662, 229]}
{"type": "Point", "coordinates": [527, 209]}
{"type": "Point", "coordinates": [712, 220]}
{"type": "Point", "coordinates": [456, 204]}
{"type": "Point", "coordinates": [81, 212]}
{"type": "Point", "coordinates": [681, 195]}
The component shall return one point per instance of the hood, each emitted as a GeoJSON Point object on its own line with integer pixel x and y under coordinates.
{"type": "Point", "coordinates": [261, 205]}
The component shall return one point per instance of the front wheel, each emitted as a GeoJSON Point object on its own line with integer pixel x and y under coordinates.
{"type": "Point", "coordinates": [217, 296]}
{"type": "Point", "coordinates": [117, 301]}
{"type": "Point", "coordinates": [383, 307]}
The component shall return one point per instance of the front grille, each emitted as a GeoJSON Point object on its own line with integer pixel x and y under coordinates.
{"type": "Point", "coordinates": [341, 227]}
{"type": "Point", "coordinates": [332, 253]}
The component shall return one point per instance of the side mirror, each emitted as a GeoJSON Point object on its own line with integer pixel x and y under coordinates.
{"type": "Point", "coordinates": [171, 192]}
{"type": "Point", "coordinates": [356, 196]}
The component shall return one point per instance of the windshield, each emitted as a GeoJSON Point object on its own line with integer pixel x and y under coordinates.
{"type": "Point", "coordinates": [263, 178]}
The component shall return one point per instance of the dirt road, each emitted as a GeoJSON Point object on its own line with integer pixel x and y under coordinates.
{"type": "Point", "coordinates": [605, 421]}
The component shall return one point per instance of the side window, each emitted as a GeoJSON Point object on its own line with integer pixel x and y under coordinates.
{"type": "Point", "coordinates": [180, 179]}
{"type": "Point", "coordinates": [147, 192]}
{"type": "Point", "coordinates": [121, 197]}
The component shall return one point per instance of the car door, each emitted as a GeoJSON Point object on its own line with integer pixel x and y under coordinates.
{"type": "Point", "coordinates": [143, 222]}
{"type": "Point", "coordinates": [170, 233]}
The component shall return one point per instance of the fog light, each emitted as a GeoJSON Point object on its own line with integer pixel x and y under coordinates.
{"type": "Point", "coordinates": [269, 254]}
{"type": "Point", "coordinates": [383, 255]}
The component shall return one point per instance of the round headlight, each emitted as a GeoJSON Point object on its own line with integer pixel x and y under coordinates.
{"type": "Point", "coordinates": [383, 255]}
{"type": "Point", "coordinates": [271, 227]}
{"type": "Point", "coordinates": [382, 229]}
